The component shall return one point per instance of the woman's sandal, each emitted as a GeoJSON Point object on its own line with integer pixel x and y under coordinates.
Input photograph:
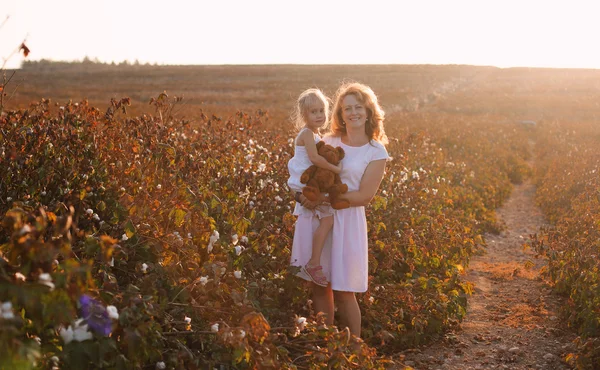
{"type": "Point", "coordinates": [315, 273]}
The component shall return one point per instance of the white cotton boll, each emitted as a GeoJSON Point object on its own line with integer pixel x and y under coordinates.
{"type": "Point", "coordinates": [278, 198]}
{"type": "Point", "coordinates": [262, 167]}
{"type": "Point", "coordinates": [209, 248]}
{"type": "Point", "coordinates": [214, 328]}
{"type": "Point", "coordinates": [6, 311]}
{"type": "Point", "coordinates": [160, 365]}
{"type": "Point", "coordinates": [81, 333]}
{"type": "Point", "coordinates": [301, 321]}
{"type": "Point", "coordinates": [96, 217]}
{"type": "Point", "coordinates": [187, 320]}
{"type": "Point", "coordinates": [89, 211]}
{"type": "Point", "coordinates": [371, 299]}
{"type": "Point", "coordinates": [112, 311]}
{"type": "Point", "coordinates": [19, 276]}
{"type": "Point", "coordinates": [238, 250]}
{"type": "Point", "coordinates": [244, 239]}
{"type": "Point", "coordinates": [144, 267]}
{"type": "Point", "coordinates": [124, 237]}
{"type": "Point", "coordinates": [234, 239]}
{"type": "Point", "coordinates": [112, 262]}
{"type": "Point", "coordinates": [66, 334]}
{"type": "Point", "coordinates": [25, 230]}
{"type": "Point", "coordinates": [159, 186]}
{"type": "Point", "coordinates": [46, 280]}
{"type": "Point", "coordinates": [237, 274]}
{"type": "Point", "coordinates": [204, 280]}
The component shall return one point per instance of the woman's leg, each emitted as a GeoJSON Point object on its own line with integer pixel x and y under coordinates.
{"type": "Point", "coordinates": [323, 301]}
{"type": "Point", "coordinates": [325, 226]}
{"type": "Point", "coordinates": [349, 311]}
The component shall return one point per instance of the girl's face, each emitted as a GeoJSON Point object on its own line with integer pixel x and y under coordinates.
{"type": "Point", "coordinates": [354, 113]}
{"type": "Point", "coordinates": [315, 116]}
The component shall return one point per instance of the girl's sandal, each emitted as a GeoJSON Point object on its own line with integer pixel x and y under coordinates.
{"type": "Point", "coordinates": [315, 273]}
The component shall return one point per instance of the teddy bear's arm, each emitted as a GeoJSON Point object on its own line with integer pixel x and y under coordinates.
{"type": "Point", "coordinates": [308, 174]}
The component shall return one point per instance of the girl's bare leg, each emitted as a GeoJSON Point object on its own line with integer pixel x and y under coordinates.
{"type": "Point", "coordinates": [349, 311]}
{"type": "Point", "coordinates": [325, 225]}
{"type": "Point", "coordinates": [323, 301]}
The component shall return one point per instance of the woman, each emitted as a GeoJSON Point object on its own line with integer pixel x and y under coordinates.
{"type": "Point", "coordinates": [357, 126]}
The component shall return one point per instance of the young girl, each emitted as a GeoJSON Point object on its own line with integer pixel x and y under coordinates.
{"type": "Point", "coordinates": [311, 113]}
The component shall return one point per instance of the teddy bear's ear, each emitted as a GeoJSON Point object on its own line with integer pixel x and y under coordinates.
{"type": "Point", "coordinates": [320, 144]}
{"type": "Point", "coordinates": [341, 152]}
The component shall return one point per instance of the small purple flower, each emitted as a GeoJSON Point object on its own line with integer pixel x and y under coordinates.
{"type": "Point", "coordinates": [95, 315]}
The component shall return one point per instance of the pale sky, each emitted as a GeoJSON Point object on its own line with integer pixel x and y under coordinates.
{"type": "Point", "coordinates": [503, 33]}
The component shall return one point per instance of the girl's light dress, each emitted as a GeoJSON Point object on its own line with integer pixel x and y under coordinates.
{"type": "Point", "coordinates": [296, 167]}
{"type": "Point", "coordinates": [345, 256]}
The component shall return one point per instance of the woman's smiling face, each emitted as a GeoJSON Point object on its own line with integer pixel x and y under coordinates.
{"type": "Point", "coordinates": [354, 113]}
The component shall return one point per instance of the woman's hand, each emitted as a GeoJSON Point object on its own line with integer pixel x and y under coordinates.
{"type": "Point", "coordinates": [307, 203]}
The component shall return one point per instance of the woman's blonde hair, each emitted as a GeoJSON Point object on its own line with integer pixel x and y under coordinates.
{"type": "Point", "coordinates": [375, 115]}
{"type": "Point", "coordinates": [307, 99]}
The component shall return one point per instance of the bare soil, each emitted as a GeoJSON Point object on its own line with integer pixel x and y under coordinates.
{"type": "Point", "coordinates": [512, 320]}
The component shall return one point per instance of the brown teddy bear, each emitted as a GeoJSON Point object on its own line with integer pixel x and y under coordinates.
{"type": "Point", "coordinates": [319, 180]}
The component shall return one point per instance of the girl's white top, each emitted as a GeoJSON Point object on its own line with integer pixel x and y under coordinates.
{"type": "Point", "coordinates": [345, 255]}
{"type": "Point", "coordinates": [299, 163]}
{"type": "Point", "coordinates": [296, 166]}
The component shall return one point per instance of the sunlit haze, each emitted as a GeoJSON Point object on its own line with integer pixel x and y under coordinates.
{"type": "Point", "coordinates": [503, 33]}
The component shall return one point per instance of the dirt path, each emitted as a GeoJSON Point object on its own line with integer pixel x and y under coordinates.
{"type": "Point", "coordinates": [512, 319]}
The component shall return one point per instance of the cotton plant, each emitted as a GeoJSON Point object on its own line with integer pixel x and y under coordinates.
{"type": "Point", "coordinates": [6, 311]}
{"type": "Point", "coordinates": [78, 332]}
{"type": "Point", "coordinates": [46, 279]}
{"type": "Point", "coordinates": [213, 239]}
{"type": "Point", "coordinates": [203, 280]}
{"type": "Point", "coordinates": [238, 250]}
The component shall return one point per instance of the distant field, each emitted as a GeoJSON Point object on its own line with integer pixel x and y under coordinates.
{"type": "Point", "coordinates": [517, 93]}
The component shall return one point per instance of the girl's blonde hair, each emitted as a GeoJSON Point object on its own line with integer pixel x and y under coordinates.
{"type": "Point", "coordinates": [375, 115]}
{"type": "Point", "coordinates": [306, 100]}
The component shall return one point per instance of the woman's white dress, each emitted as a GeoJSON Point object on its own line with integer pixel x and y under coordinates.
{"type": "Point", "coordinates": [345, 256]}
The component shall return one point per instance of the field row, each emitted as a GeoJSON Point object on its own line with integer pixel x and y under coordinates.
{"type": "Point", "coordinates": [568, 192]}
{"type": "Point", "coordinates": [184, 229]}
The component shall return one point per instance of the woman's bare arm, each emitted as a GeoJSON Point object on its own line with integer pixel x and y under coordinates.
{"type": "Point", "coordinates": [368, 185]}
